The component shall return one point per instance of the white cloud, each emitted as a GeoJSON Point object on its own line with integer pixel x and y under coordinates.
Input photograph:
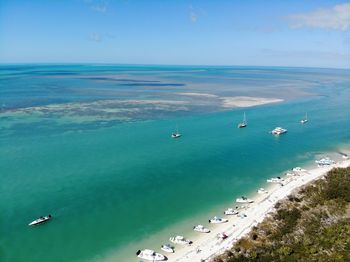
{"type": "Point", "coordinates": [335, 18]}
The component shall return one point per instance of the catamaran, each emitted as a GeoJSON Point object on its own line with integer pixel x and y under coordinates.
{"type": "Point", "coordinates": [244, 199]}
{"type": "Point", "coordinates": [218, 220]}
{"type": "Point", "coordinates": [40, 220]}
{"type": "Point", "coordinates": [201, 229]}
{"type": "Point", "coordinates": [279, 131]}
{"type": "Point", "coordinates": [176, 134]}
{"type": "Point", "coordinates": [180, 240]}
{"type": "Point", "coordinates": [304, 121]}
{"type": "Point", "coordinates": [149, 254]}
{"type": "Point", "coordinates": [243, 123]}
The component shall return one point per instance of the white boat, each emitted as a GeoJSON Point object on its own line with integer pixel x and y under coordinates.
{"type": "Point", "coordinates": [326, 161]}
{"type": "Point", "coordinates": [275, 180]}
{"type": "Point", "coordinates": [149, 254]}
{"type": "Point", "coordinates": [167, 248]}
{"type": "Point", "coordinates": [304, 121]}
{"type": "Point", "coordinates": [344, 156]}
{"type": "Point", "coordinates": [279, 131]}
{"type": "Point", "coordinates": [218, 220]}
{"type": "Point", "coordinates": [180, 240]}
{"type": "Point", "coordinates": [290, 174]}
{"type": "Point", "coordinates": [262, 191]}
{"type": "Point", "coordinates": [222, 236]}
{"type": "Point", "coordinates": [298, 169]}
{"type": "Point", "coordinates": [176, 134]}
{"type": "Point", "coordinates": [243, 123]}
{"type": "Point", "coordinates": [244, 199]}
{"type": "Point", "coordinates": [40, 220]}
{"type": "Point", "coordinates": [242, 215]}
{"type": "Point", "coordinates": [231, 211]}
{"type": "Point", "coordinates": [201, 229]}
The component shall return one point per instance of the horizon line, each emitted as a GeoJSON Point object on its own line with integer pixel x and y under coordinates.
{"type": "Point", "coordinates": [156, 64]}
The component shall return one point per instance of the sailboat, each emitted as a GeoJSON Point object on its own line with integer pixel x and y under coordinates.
{"type": "Point", "coordinates": [303, 121]}
{"type": "Point", "coordinates": [176, 134]}
{"type": "Point", "coordinates": [243, 123]}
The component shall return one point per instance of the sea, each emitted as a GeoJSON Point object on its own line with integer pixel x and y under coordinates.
{"type": "Point", "coordinates": [91, 145]}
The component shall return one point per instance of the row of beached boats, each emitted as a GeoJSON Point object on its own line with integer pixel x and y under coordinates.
{"type": "Point", "coordinates": [148, 254]}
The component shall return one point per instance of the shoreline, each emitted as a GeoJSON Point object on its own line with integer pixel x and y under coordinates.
{"type": "Point", "coordinates": [209, 246]}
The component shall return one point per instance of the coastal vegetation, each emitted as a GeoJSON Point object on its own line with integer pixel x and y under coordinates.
{"type": "Point", "coordinates": [312, 224]}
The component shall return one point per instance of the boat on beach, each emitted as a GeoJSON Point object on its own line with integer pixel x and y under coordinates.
{"type": "Point", "coordinates": [201, 229]}
{"type": "Point", "coordinates": [231, 211]}
{"type": "Point", "coordinates": [244, 199]}
{"type": "Point", "coordinates": [275, 180]}
{"type": "Point", "coordinates": [326, 161]}
{"type": "Point", "coordinates": [279, 131]}
{"type": "Point", "coordinates": [218, 220]}
{"type": "Point", "coordinates": [344, 156]}
{"type": "Point", "coordinates": [298, 169]}
{"type": "Point", "coordinates": [40, 220]}
{"type": "Point", "coordinates": [262, 191]}
{"type": "Point", "coordinates": [180, 240]}
{"type": "Point", "coordinates": [222, 236]}
{"type": "Point", "coordinates": [149, 254]}
{"type": "Point", "coordinates": [243, 123]}
{"type": "Point", "coordinates": [167, 248]}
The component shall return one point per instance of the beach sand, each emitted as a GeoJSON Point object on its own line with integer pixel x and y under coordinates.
{"type": "Point", "coordinates": [207, 246]}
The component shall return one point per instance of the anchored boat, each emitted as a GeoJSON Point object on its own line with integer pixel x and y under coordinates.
{"type": "Point", "coordinates": [40, 220]}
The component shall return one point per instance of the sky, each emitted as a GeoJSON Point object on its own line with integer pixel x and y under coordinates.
{"type": "Point", "coordinates": [312, 33]}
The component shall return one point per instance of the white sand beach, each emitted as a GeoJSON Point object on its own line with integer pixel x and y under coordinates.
{"type": "Point", "coordinates": [207, 246]}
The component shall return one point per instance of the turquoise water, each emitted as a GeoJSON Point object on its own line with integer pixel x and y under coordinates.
{"type": "Point", "coordinates": [110, 183]}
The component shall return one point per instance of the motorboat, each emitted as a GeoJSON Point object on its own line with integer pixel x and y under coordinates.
{"type": "Point", "coordinates": [231, 211]}
{"type": "Point", "coordinates": [201, 229]}
{"type": "Point", "coordinates": [40, 220]}
{"type": "Point", "coordinates": [244, 199]}
{"type": "Point", "coordinates": [298, 169]}
{"type": "Point", "coordinates": [175, 135]}
{"type": "Point", "coordinates": [279, 131]}
{"type": "Point", "coordinates": [167, 248]}
{"type": "Point", "coordinates": [180, 240]}
{"type": "Point", "coordinates": [275, 180]}
{"type": "Point", "coordinates": [262, 191]}
{"type": "Point", "coordinates": [242, 215]}
{"type": "Point", "coordinates": [290, 174]}
{"type": "Point", "coordinates": [326, 161]}
{"type": "Point", "coordinates": [149, 254]}
{"type": "Point", "coordinates": [344, 156]}
{"type": "Point", "coordinates": [243, 123]}
{"type": "Point", "coordinates": [222, 236]}
{"type": "Point", "coordinates": [218, 220]}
